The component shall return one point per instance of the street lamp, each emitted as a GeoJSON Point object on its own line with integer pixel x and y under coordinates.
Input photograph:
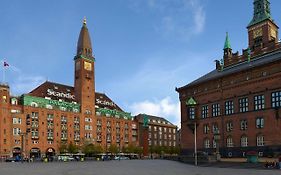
{"type": "Point", "coordinates": [217, 139]}
{"type": "Point", "coordinates": [193, 122]}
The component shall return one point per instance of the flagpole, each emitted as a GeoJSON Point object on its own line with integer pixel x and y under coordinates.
{"type": "Point", "coordinates": [3, 73]}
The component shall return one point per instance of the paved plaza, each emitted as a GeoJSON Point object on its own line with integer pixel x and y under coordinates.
{"type": "Point", "coordinates": [123, 167]}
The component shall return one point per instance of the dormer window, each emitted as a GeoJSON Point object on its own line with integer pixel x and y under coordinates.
{"type": "Point", "coordinates": [33, 104]}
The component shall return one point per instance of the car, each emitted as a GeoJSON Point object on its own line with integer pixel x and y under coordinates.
{"type": "Point", "coordinates": [121, 158]}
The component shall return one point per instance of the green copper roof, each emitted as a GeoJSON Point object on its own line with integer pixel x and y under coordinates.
{"type": "Point", "coordinates": [261, 11]}
{"type": "Point", "coordinates": [191, 102]}
{"type": "Point", "coordinates": [227, 42]}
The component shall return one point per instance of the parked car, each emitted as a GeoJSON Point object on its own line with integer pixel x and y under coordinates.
{"type": "Point", "coordinates": [121, 158]}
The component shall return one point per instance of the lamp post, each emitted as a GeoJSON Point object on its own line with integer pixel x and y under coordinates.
{"type": "Point", "coordinates": [217, 139]}
{"type": "Point", "coordinates": [195, 144]}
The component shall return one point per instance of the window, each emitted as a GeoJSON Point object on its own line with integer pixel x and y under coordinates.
{"type": "Point", "coordinates": [259, 102]}
{"type": "Point", "coordinates": [229, 142]}
{"type": "Point", "coordinates": [215, 128]}
{"type": "Point", "coordinates": [206, 143]}
{"type": "Point", "coordinates": [88, 127]}
{"type": "Point", "coordinates": [229, 126]}
{"type": "Point", "coordinates": [216, 110]}
{"type": "Point", "coordinates": [260, 122]}
{"type": "Point", "coordinates": [243, 105]}
{"type": "Point", "coordinates": [229, 107]}
{"type": "Point", "coordinates": [192, 113]}
{"type": "Point", "coordinates": [214, 143]}
{"type": "Point", "coordinates": [243, 124]}
{"type": "Point", "coordinates": [276, 99]}
{"type": "Point", "coordinates": [260, 140]}
{"type": "Point", "coordinates": [16, 120]}
{"type": "Point", "coordinates": [204, 112]}
{"type": "Point", "coordinates": [244, 141]}
{"type": "Point", "coordinates": [16, 131]}
{"type": "Point", "coordinates": [206, 129]}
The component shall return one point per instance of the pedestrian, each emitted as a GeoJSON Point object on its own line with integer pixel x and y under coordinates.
{"type": "Point", "coordinates": [279, 160]}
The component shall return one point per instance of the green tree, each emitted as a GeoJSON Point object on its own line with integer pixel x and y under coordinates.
{"type": "Point", "coordinates": [113, 149]}
{"type": "Point", "coordinates": [71, 148]}
{"type": "Point", "coordinates": [63, 148]}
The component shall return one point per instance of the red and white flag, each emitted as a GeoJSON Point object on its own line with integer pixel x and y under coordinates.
{"type": "Point", "coordinates": [6, 64]}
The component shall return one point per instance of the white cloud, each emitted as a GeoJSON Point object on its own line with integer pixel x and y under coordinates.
{"type": "Point", "coordinates": [162, 108]}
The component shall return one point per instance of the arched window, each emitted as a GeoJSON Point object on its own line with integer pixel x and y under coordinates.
{"type": "Point", "coordinates": [244, 141]}
{"type": "Point", "coordinates": [229, 142]}
{"type": "Point", "coordinates": [260, 140]}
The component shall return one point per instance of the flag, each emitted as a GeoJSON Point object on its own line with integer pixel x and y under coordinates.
{"type": "Point", "coordinates": [6, 64]}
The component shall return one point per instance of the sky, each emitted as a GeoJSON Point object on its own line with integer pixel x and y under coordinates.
{"type": "Point", "coordinates": [144, 49]}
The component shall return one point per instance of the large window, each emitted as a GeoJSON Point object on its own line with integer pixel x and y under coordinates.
{"type": "Point", "coordinates": [215, 128]}
{"type": "Point", "coordinates": [243, 124]}
{"type": "Point", "coordinates": [206, 129]}
{"type": "Point", "coordinates": [244, 141]}
{"type": "Point", "coordinates": [192, 113]}
{"type": "Point", "coordinates": [204, 111]}
{"type": "Point", "coordinates": [229, 107]}
{"type": "Point", "coordinates": [259, 102]}
{"type": "Point", "coordinates": [229, 142]}
{"type": "Point", "coordinates": [206, 143]}
{"type": "Point", "coordinates": [260, 140]}
{"type": "Point", "coordinates": [260, 122]}
{"type": "Point", "coordinates": [243, 104]}
{"type": "Point", "coordinates": [216, 110]}
{"type": "Point", "coordinates": [276, 99]}
{"type": "Point", "coordinates": [229, 126]}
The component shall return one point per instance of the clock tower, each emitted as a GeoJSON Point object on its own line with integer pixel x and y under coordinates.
{"type": "Point", "coordinates": [84, 79]}
{"type": "Point", "coordinates": [262, 30]}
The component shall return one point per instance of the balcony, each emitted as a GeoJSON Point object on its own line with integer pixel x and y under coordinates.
{"type": "Point", "coordinates": [34, 126]}
{"type": "Point", "coordinates": [98, 139]}
{"type": "Point", "coordinates": [108, 140]}
{"type": "Point", "coordinates": [76, 138]}
{"type": "Point", "coordinates": [98, 123]}
{"type": "Point", "coordinates": [50, 119]}
{"type": "Point", "coordinates": [50, 138]}
{"type": "Point", "coordinates": [64, 138]}
{"type": "Point", "coordinates": [34, 137]}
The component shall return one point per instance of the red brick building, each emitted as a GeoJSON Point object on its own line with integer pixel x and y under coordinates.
{"type": "Point", "coordinates": [39, 122]}
{"type": "Point", "coordinates": [159, 133]}
{"type": "Point", "coordinates": [240, 100]}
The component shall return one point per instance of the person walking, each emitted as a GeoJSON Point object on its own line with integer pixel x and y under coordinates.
{"type": "Point", "coordinates": [279, 160]}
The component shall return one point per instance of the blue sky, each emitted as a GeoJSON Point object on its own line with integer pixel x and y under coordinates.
{"type": "Point", "coordinates": [143, 48]}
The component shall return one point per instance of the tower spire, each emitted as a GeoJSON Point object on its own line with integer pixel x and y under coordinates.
{"type": "Point", "coordinates": [227, 42]}
{"type": "Point", "coordinates": [261, 12]}
{"type": "Point", "coordinates": [84, 46]}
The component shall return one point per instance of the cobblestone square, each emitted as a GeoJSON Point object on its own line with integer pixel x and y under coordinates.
{"type": "Point", "coordinates": [123, 167]}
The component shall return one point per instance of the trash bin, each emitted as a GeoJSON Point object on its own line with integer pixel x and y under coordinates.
{"type": "Point", "coordinates": [252, 157]}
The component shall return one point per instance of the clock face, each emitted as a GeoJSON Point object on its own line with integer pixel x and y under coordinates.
{"type": "Point", "coordinates": [87, 66]}
{"type": "Point", "coordinates": [257, 33]}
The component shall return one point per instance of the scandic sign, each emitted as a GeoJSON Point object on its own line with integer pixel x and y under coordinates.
{"type": "Point", "coordinates": [60, 94]}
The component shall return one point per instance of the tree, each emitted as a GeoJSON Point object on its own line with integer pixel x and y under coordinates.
{"type": "Point", "coordinates": [63, 148]}
{"type": "Point", "coordinates": [113, 149]}
{"type": "Point", "coordinates": [71, 148]}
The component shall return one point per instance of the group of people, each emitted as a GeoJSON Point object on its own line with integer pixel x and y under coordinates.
{"type": "Point", "coordinates": [274, 165]}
